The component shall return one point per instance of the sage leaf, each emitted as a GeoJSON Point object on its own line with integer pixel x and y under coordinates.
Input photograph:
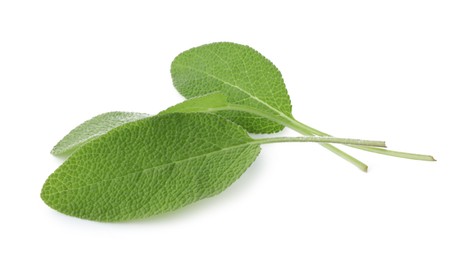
{"type": "Point", "coordinates": [242, 74]}
{"type": "Point", "coordinates": [156, 165]}
{"type": "Point", "coordinates": [92, 129]}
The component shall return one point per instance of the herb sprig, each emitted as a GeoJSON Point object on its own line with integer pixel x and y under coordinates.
{"type": "Point", "coordinates": [125, 166]}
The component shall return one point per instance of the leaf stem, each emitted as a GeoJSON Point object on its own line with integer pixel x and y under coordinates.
{"type": "Point", "coordinates": [293, 124]}
{"type": "Point", "coordinates": [307, 130]}
{"type": "Point", "coordinates": [412, 156]}
{"type": "Point", "coordinates": [323, 139]}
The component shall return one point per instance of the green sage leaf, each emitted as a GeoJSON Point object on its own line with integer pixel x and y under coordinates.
{"type": "Point", "coordinates": [155, 165]}
{"type": "Point", "coordinates": [242, 74]}
{"type": "Point", "coordinates": [150, 166]}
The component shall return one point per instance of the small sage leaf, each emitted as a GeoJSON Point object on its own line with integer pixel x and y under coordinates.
{"type": "Point", "coordinates": [92, 129]}
{"type": "Point", "coordinates": [242, 74]}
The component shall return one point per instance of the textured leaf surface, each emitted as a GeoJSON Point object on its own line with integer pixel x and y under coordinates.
{"type": "Point", "coordinates": [151, 166]}
{"type": "Point", "coordinates": [239, 72]}
{"type": "Point", "coordinates": [92, 129]}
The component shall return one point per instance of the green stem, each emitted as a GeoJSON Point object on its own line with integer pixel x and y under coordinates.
{"type": "Point", "coordinates": [323, 139]}
{"type": "Point", "coordinates": [293, 124]}
{"type": "Point", "coordinates": [412, 156]}
{"type": "Point", "coordinates": [307, 130]}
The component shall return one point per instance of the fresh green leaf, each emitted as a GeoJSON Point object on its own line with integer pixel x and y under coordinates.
{"type": "Point", "coordinates": [242, 74]}
{"type": "Point", "coordinates": [149, 167]}
{"type": "Point", "coordinates": [156, 165]}
{"type": "Point", "coordinates": [92, 129]}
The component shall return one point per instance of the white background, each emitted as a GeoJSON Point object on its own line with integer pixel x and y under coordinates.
{"type": "Point", "coordinates": [399, 71]}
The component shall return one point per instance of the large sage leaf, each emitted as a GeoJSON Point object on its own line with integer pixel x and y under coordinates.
{"type": "Point", "coordinates": [150, 166]}
{"type": "Point", "coordinates": [156, 165]}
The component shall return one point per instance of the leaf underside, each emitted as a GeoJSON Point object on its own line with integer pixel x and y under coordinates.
{"type": "Point", "coordinates": [92, 129]}
{"type": "Point", "coordinates": [239, 72]}
{"type": "Point", "coordinates": [151, 166]}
